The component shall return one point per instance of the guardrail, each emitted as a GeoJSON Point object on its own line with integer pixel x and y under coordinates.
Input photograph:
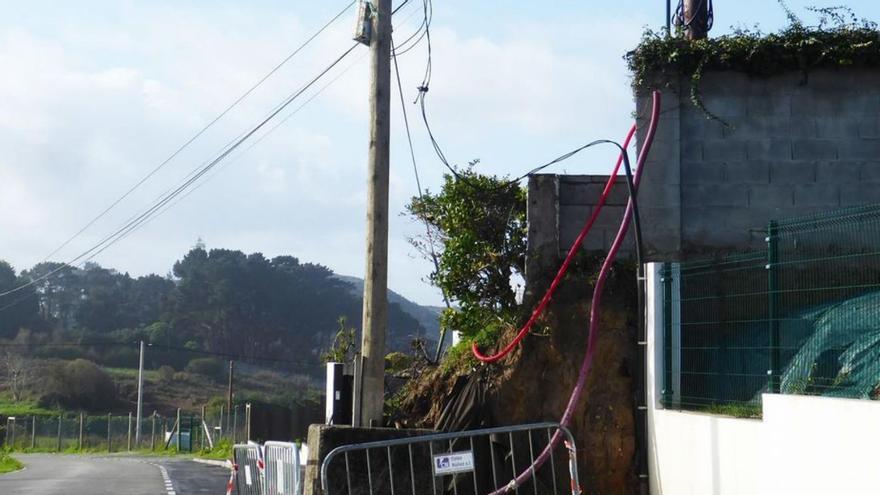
{"type": "Point", "coordinates": [468, 462]}
{"type": "Point", "coordinates": [282, 476]}
{"type": "Point", "coordinates": [247, 460]}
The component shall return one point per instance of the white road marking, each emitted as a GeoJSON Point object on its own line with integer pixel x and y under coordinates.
{"type": "Point", "coordinates": [169, 485]}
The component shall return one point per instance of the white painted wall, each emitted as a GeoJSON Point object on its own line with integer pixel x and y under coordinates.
{"type": "Point", "coordinates": [803, 445]}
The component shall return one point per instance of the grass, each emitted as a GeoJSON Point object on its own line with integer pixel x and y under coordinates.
{"type": "Point", "coordinates": [8, 463]}
{"type": "Point", "coordinates": [23, 408]}
{"type": "Point", "coordinates": [736, 410]}
{"type": "Point", "coordinates": [221, 452]}
{"type": "Point", "coordinates": [131, 373]}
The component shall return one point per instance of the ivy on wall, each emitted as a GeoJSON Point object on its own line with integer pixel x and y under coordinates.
{"type": "Point", "coordinates": [840, 39]}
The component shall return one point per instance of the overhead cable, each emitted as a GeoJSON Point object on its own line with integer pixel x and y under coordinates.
{"type": "Point", "coordinates": [188, 142]}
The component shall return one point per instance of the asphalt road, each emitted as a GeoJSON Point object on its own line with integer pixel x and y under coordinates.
{"type": "Point", "coordinates": [46, 474]}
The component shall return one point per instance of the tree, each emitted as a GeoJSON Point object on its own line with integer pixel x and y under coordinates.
{"type": "Point", "coordinates": [58, 293]}
{"type": "Point", "coordinates": [343, 345]}
{"type": "Point", "coordinates": [18, 309]}
{"type": "Point", "coordinates": [16, 372]}
{"type": "Point", "coordinates": [477, 228]}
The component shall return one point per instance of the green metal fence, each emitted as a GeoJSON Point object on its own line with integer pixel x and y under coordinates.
{"type": "Point", "coordinates": [801, 317]}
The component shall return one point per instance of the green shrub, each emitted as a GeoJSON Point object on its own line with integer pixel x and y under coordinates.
{"type": "Point", "coordinates": [79, 384]}
{"type": "Point", "coordinates": [166, 374]}
{"type": "Point", "coordinates": [210, 367]}
{"type": "Point", "coordinates": [121, 358]}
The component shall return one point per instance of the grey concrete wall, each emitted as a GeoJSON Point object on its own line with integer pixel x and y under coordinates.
{"type": "Point", "coordinates": [324, 438]}
{"type": "Point", "coordinates": [792, 146]}
{"type": "Point", "coordinates": [558, 208]}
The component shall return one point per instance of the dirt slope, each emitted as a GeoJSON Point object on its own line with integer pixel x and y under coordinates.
{"type": "Point", "coordinates": [534, 383]}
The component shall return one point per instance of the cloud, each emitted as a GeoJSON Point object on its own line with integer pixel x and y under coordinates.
{"type": "Point", "coordinates": [92, 104]}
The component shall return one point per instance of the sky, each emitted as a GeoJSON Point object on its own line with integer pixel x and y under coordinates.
{"type": "Point", "coordinates": [96, 93]}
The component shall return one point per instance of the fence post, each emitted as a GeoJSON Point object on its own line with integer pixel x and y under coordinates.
{"type": "Point", "coordinates": [179, 426]}
{"type": "Point", "coordinates": [666, 393]}
{"type": "Point", "coordinates": [247, 415]}
{"type": "Point", "coordinates": [153, 433]}
{"type": "Point", "coordinates": [109, 423]}
{"type": "Point", "coordinates": [80, 443]}
{"type": "Point", "coordinates": [58, 439]}
{"type": "Point", "coordinates": [773, 385]}
{"type": "Point", "coordinates": [192, 433]}
{"type": "Point", "coordinates": [234, 422]}
{"type": "Point", "coordinates": [221, 423]}
{"type": "Point", "coordinates": [33, 432]}
{"type": "Point", "coordinates": [12, 441]}
{"type": "Point", "coordinates": [129, 431]}
{"type": "Point", "coordinates": [201, 432]}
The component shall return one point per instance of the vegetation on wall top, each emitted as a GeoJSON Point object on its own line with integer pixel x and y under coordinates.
{"type": "Point", "coordinates": [840, 39]}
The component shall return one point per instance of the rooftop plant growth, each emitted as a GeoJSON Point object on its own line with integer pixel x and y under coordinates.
{"type": "Point", "coordinates": [839, 39]}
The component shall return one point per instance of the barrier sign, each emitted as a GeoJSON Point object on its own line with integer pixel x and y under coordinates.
{"type": "Point", "coordinates": [454, 462]}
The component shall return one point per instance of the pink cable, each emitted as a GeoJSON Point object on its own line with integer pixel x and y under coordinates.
{"type": "Point", "coordinates": [572, 252]}
{"type": "Point", "coordinates": [594, 311]}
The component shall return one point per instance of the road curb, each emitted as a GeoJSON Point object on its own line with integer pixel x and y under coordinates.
{"type": "Point", "coordinates": [212, 462]}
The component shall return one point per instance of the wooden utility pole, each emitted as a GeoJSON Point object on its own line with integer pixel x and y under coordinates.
{"type": "Point", "coordinates": [696, 19]}
{"type": "Point", "coordinates": [370, 391]}
{"type": "Point", "coordinates": [140, 401]}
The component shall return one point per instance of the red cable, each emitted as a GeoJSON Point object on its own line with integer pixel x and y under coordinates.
{"type": "Point", "coordinates": [572, 252]}
{"type": "Point", "coordinates": [595, 305]}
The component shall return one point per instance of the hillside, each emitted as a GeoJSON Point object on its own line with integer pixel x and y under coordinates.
{"type": "Point", "coordinates": [276, 315]}
{"type": "Point", "coordinates": [427, 316]}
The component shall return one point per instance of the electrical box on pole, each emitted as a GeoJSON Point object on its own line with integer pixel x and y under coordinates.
{"type": "Point", "coordinates": [363, 29]}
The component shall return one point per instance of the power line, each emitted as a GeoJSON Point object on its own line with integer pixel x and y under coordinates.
{"type": "Point", "coordinates": [68, 344]}
{"type": "Point", "coordinates": [420, 32]}
{"type": "Point", "coordinates": [412, 154]}
{"type": "Point", "coordinates": [254, 144]}
{"type": "Point", "coordinates": [140, 219]}
{"type": "Point", "coordinates": [421, 99]}
{"type": "Point", "coordinates": [235, 357]}
{"type": "Point", "coordinates": [143, 218]}
{"type": "Point", "coordinates": [270, 131]}
{"type": "Point", "coordinates": [199, 133]}
{"type": "Point", "coordinates": [227, 355]}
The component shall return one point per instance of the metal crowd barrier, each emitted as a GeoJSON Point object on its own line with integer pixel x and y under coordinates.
{"type": "Point", "coordinates": [282, 469]}
{"type": "Point", "coordinates": [474, 462]}
{"type": "Point", "coordinates": [247, 462]}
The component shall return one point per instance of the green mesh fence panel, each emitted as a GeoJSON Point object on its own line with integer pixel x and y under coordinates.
{"type": "Point", "coordinates": [828, 274]}
{"type": "Point", "coordinates": [723, 350]}
{"type": "Point", "coordinates": [802, 317]}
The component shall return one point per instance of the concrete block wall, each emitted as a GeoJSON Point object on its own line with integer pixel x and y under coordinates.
{"type": "Point", "coordinates": [792, 145]}
{"type": "Point", "coordinates": [789, 145]}
{"type": "Point", "coordinates": [558, 208]}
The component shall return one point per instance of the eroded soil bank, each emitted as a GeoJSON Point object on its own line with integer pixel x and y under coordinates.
{"type": "Point", "coordinates": [534, 383]}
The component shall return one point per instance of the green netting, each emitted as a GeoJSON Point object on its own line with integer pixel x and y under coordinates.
{"type": "Point", "coordinates": [802, 317]}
